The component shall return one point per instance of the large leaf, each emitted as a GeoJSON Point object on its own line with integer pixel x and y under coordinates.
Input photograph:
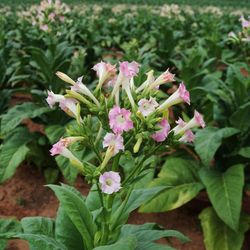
{"type": "Point", "coordinates": [54, 132]}
{"type": "Point", "coordinates": [13, 152]}
{"type": "Point", "coordinates": [127, 243]}
{"type": "Point", "coordinates": [8, 226]}
{"type": "Point", "coordinates": [66, 232]}
{"type": "Point", "coordinates": [76, 210]}
{"type": "Point", "coordinates": [179, 177]}
{"type": "Point", "coordinates": [39, 241]}
{"type": "Point", "coordinates": [136, 199]}
{"type": "Point", "coordinates": [38, 225]}
{"type": "Point", "coordinates": [240, 118]}
{"type": "Point", "coordinates": [209, 139]}
{"type": "Point", "coordinates": [225, 192]}
{"type": "Point", "coordinates": [147, 233]}
{"type": "Point", "coordinates": [217, 235]}
{"type": "Point", "coordinates": [245, 152]}
{"type": "Point", "coordinates": [20, 112]}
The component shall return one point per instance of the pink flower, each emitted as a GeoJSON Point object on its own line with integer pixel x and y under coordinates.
{"type": "Point", "coordinates": [60, 148]}
{"type": "Point", "coordinates": [180, 124]}
{"type": "Point", "coordinates": [114, 141]}
{"type": "Point", "coordinates": [129, 69]}
{"type": "Point", "coordinates": [245, 23]}
{"type": "Point", "coordinates": [180, 95]}
{"type": "Point", "coordinates": [146, 107]}
{"type": "Point", "coordinates": [82, 88]}
{"type": "Point", "coordinates": [163, 78]}
{"type": "Point", "coordinates": [161, 134]}
{"type": "Point", "coordinates": [196, 121]}
{"type": "Point", "coordinates": [119, 120]}
{"type": "Point", "coordinates": [62, 18]}
{"type": "Point", "coordinates": [52, 16]}
{"type": "Point", "coordinates": [69, 105]}
{"type": "Point", "coordinates": [44, 27]}
{"type": "Point", "coordinates": [187, 137]}
{"type": "Point", "coordinates": [199, 119]}
{"type": "Point", "coordinates": [52, 98]}
{"type": "Point", "coordinates": [104, 71]}
{"type": "Point", "coordinates": [110, 182]}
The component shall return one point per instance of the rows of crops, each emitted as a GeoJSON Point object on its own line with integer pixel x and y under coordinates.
{"type": "Point", "coordinates": [207, 48]}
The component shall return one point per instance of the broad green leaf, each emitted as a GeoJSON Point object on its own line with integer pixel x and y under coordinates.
{"type": "Point", "coordinates": [181, 184]}
{"type": "Point", "coordinates": [13, 152]}
{"type": "Point", "coordinates": [209, 139]}
{"type": "Point", "coordinates": [66, 232]}
{"type": "Point", "coordinates": [8, 226]}
{"type": "Point", "coordinates": [39, 241]}
{"type": "Point", "coordinates": [38, 225]}
{"type": "Point", "coordinates": [128, 243]}
{"type": "Point", "coordinates": [136, 199]}
{"type": "Point", "coordinates": [245, 152]}
{"type": "Point", "coordinates": [68, 170]}
{"type": "Point", "coordinates": [149, 232]}
{"type": "Point", "coordinates": [225, 192]}
{"type": "Point", "coordinates": [217, 235]}
{"type": "Point", "coordinates": [240, 118]}
{"type": "Point", "coordinates": [18, 113]}
{"type": "Point", "coordinates": [54, 133]}
{"type": "Point", "coordinates": [76, 210]}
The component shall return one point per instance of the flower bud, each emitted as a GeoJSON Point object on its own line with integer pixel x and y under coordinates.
{"type": "Point", "coordinates": [65, 78]}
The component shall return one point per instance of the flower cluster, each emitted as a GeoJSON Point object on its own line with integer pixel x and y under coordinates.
{"type": "Point", "coordinates": [244, 35]}
{"type": "Point", "coordinates": [129, 113]}
{"type": "Point", "coordinates": [46, 14]}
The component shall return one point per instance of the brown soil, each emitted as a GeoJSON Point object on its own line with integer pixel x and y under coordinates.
{"type": "Point", "coordinates": [26, 195]}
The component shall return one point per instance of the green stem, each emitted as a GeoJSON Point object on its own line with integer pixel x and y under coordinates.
{"type": "Point", "coordinates": [105, 228]}
{"type": "Point", "coordinates": [120, 211]}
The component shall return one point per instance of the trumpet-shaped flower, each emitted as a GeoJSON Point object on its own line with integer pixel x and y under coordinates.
{"type": "Point", "coordinates": [110, 182]}
{"type": "Point", "coordinates": [60, 148]}
{"type": "Point", "coordinates": [126, 72]}
{"type": "Point", "coordinates": [150, 79]}
{"type": "Point", "coordinates": [104, 71]}
{"type": "Point", "coordinates": [161, 134]}
{"type": "Point", "coordinates": [244, 23]}
{"type": "Point", "coordinates": [69, 105]}
{"type": "Point", "coordinates": [52, 98]}
{"type": "Point", "coordinates": [81, 88]}
{"type": "Point", "coordinates": [163, 78]}
{"type": "Point", "coordinates": [180, 95]}
{"type": "Point", "coordinates": [129, 70]}
{"type": "Point", "coordinates": [196, 121]}
{"type": "Point", "coordinates": [119, 119]}
{"type": "Point", "coordinates": [146, 107]}
{"type": "Point", "coordinates": [180, 124]}
{"type": "Point", "coordinates": [114, 141]}
{"type": "Point", "coordinates": [187, 137]}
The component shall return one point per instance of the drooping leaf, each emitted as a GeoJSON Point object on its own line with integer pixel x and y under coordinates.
{"type": "Point", "coordinates": [39, 241]}
{"type": "Point", "coordinates": [225, 192]}
{"type": "Point", "coordinates": [38, 225]}
{"type": "Point", "coordinates": [77, 211]}
{"type": "Point", "coordinates": [181, 184]}
{"type": "Point", "coordinates": [217, 235]}
{"type": "Point", "coordinates": [66, 232]}
{"type": "Point", "coordinates": [209, 139]}
{"type": "Point", "coordinates": [128, 243]}
{"type": "Point", "coordinates": [245, 152]}
{"type": "Point", "coordinates": [136, 199]}
{"type": "Point", "coordinates": [13, 152]}
{"type": "Point", "coordinates": [147, 233]}
{"type": "Point", "coordinates": [18, 113]}
{"type": "Point", "coordinates": [240, 118]}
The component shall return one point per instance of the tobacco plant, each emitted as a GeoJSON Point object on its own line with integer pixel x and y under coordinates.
{"type": "Point", "coordinates": [127, 125]}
